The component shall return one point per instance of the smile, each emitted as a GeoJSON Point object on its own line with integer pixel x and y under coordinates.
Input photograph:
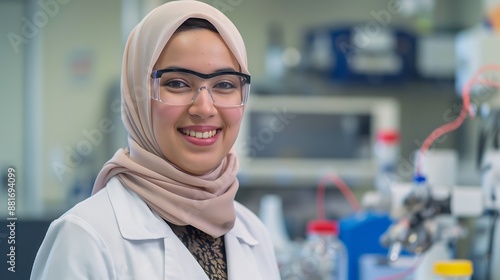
{"type": "Point", "coordinates": [199, 134]}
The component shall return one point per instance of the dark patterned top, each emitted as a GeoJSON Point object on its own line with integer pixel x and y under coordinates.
{"type": "Point", "coordinates": [208, 251]}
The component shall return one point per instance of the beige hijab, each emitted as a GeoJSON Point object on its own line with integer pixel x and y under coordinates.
{"type": "Point", "coordinates": [205, 202]}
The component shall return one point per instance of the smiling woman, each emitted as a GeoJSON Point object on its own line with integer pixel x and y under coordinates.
{"type": "Point", "coordinates": [164, 208]}
{"type": "Point", "coordinates": [204, 51]}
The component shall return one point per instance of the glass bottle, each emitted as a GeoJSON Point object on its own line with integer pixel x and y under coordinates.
{"type": "Point", "coordinates": [323, 256]}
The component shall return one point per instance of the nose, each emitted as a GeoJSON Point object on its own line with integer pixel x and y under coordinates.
{"type": "Point", "coordinates": [203, 104]}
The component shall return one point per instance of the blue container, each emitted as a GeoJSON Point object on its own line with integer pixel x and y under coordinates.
{"type": "Point", "coordinates": [360, 234]}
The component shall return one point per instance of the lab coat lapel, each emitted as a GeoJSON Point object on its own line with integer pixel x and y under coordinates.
{"type": "Point", "coordinates": [137, 222]}
{"type": "Point", "coordinates": [135, 219]}
{"type": "Point", "coordinates": [241, 264]}
{"type": "Point", "coordinates": [179, 262]}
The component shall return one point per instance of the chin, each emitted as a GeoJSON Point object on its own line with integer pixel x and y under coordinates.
{"type": "Point", "coordinates": [204, 168]}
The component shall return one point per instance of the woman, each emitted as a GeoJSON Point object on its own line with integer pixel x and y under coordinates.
{"type": "Point", "coordinates": [164, 207]}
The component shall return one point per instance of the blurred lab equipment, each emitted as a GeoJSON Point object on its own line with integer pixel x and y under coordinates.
{"type": "Point", "coordinates": [426, 213]}
{"type": "Point", "coordinates": [426, 221]}
{"type": "Point", "coordinates": [475, 47]}
{"type": "Point", "coordinates": [492, 11]}
{"type": "Point", "coordinates": [453, 270]}
{"type": "Point", "coordinates": [323, 255]}
{"type": "Point", "coordinates": [271, 214]}
{"type": "Point", "coordinates": [287, 251]}
{"type": "Point", "coordinates": [367, 52]}
{"type": "Point", "coordinates": [428, 228]}
{"type": "Point", "coordinates": [275, 66]}
{"type": "Point", "coordinates": [478, 46]}
{"type": "Point", "coordinates": [387, 154]}
{"type": "Point", "coordinates": [360, 233]}
{"type": "Point", "coordinates": [286, 140]}
{"type": "Point", "coordinates": [377, 266]}
{"type": "Point", "coordinates": [435, 56]}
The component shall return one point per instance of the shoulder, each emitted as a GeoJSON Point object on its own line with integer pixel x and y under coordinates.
{"type": "Point", "coordinates": [96, 211]}
{"type": "Point", "coordinates": [73, 238]}
{"type": "Point", "coordinates": [94, 216]}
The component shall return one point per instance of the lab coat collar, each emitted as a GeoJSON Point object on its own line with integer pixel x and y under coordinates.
{"type": "Point", "coordinates": [137, 221]}
{"type": "Point", "coordinates": [241, 232]}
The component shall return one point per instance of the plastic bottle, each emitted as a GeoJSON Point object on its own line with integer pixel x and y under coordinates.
{"type": "Point", "coordinates": [386, 153]}
{"type": "Point", "coordinates": [323, 256]}
{"type": "Point", "coordinates": [271, 214]}
{"type": "Point", "coordinates": [453, 270]}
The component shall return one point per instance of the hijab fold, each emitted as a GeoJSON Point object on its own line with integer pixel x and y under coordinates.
{"type": "Point", "coordinates": [207, 201]}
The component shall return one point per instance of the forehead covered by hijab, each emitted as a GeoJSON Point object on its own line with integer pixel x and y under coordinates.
{"type": "Point", "coordinates": [143, 48]}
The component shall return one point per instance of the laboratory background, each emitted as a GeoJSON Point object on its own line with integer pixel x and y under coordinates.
{"type": "Point", "coordinates": [371, 122]}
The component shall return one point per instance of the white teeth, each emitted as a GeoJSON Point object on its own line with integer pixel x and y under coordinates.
{"type": "Point", "coordinates": [198, 134]}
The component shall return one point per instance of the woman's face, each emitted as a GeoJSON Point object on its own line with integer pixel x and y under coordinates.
{"type": "Point", "coordinates": [203, 51]}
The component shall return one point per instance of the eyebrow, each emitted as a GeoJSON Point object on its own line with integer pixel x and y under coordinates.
{"type": "Point", "coordinates": [225, 69]}
{"type": "Point", "coordinates": [228, 69]}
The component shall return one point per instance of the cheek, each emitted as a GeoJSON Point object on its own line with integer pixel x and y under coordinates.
{"type": "Point", "coordinates": [233, 117]}
{"type": "Point", "coordinates": [164, 112]}
{"type": "Point", "coordinates": [163, 117]}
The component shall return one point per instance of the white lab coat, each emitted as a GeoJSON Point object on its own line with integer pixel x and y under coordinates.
{"type": "Point", "coordinates": [114, 235]}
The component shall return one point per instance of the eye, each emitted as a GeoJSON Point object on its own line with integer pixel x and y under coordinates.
{"type": "Point", "coordinates": [175, 84]}
{"type": "Point", "coordinates": [225, 85]}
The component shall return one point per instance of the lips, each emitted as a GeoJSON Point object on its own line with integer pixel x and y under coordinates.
{"type": "Point", "coordinates": [199, 134]}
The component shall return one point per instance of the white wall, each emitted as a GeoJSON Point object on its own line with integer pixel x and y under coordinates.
{"type": "Point", "coordinates": [82, 50]}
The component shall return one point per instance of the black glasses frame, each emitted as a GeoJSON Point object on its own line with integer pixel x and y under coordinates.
{"type": "Point", "coordinates": [157, 73]}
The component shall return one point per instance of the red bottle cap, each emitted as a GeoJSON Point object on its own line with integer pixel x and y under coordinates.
{"type": "Point", "coordinates": [388, 136]}
{"type": "Point", "coordinates": [323, 227]}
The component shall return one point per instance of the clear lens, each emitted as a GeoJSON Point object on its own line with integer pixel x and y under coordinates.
{"type": "Point", "coordinates": [179, 88]}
